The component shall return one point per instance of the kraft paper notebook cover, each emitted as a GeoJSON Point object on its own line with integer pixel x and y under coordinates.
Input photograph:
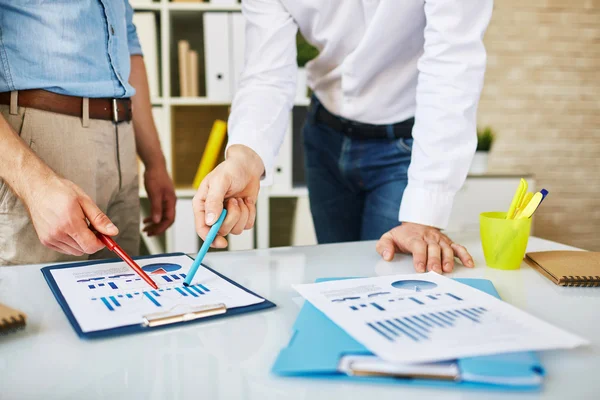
{"type": "Point", "coordinates": [567, 268]}
{"type": "Point", "coordinates": [10, 320]}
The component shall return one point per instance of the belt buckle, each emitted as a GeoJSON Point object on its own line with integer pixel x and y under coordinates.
{"type": "Point", "coordinates": [115, 111]}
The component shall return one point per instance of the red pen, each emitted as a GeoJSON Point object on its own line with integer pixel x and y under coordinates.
{"type": "Point", "coordinates": [113, 246]}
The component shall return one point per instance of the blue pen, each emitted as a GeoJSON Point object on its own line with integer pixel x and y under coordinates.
{"type": "Point", "coordinates": [212, 233]}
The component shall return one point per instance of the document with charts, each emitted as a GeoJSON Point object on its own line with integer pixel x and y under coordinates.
{"type": "Point", "coordinates": [110, 295]}
{"type": "Point", "coordinates": [427, 317]}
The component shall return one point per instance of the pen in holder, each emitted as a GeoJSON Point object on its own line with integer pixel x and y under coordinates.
{"type": "Point", "coordinates": [504, 241]}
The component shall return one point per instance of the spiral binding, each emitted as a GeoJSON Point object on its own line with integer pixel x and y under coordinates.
{"type": "Point", "coordinates": [582, 281]}
{"type": "Point", "coordinates": [12, 324]}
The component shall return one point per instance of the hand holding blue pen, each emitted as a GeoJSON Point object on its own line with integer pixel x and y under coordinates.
{"type": "Point", "coordinates": [212, 233]}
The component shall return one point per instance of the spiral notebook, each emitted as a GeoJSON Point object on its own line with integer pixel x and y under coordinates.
{"type": "Point", "coordinates": [567, 268]}
{"type": "Point", "coordinates": [11, 320]}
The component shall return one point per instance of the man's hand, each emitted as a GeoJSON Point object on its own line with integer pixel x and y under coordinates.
{"type": "Point", "coordinates": [431, 249]}
{"type": "Point", "coordinates": [237, 179]}
{"type": "Point", "coordinates": [161, 194]}
{"type": "Point", "coordinates": [60, 210]}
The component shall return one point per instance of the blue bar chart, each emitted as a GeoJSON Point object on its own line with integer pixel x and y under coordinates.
{"type": "Point", "coordinates": [420, 327]}
{"type": "Point", "coordinates": [358, 307]}
{"type": "Point", "coordinates": [153, 296]}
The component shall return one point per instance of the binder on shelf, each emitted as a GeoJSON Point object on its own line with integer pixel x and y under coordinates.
{"type": "Point", "coordinates": [183, 47]}
{"type": "Point", "coordinates": [211, 151]}
{"type": "Point", "coordinates": [217, 56]}
{"type": "Point", "coordinates": [145, 23]}
{"type": "Point", "coordinates": [282, 173]}
{"type": "Point", "coordinates": [185, 238]}
{"type": "Point", "coordinates": [322, 356]}
{"type": "Point", "coordinates": [237, 44]}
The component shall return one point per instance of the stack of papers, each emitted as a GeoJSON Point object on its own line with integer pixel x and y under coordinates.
{"type": "Point", "coordinates": [426, 318]}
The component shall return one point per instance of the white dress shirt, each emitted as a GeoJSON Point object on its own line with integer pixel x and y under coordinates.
{"type": "Point", "coordinates": [380, 62]}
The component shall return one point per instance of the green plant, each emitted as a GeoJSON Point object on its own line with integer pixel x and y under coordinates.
{"type": "Point", "coordinates": [485, 138]}
{"type": "Point", "coordinates": [306, 52]}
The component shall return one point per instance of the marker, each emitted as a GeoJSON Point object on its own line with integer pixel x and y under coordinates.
{"type": "Point", "coordinates": [531, 206]}
{"type": "Point", "coordinates": [212, 233]}
{"type": "Point", "coordinates": [113, 246]}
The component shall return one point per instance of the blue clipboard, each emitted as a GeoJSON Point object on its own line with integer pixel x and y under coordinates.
{"type": "Point", "coordinates": [317, 344]}
{"type": "Point", "coordinates": [140, 328]}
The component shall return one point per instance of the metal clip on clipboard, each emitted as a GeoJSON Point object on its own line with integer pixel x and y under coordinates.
{"type": "Point", "coordinates": [183, 314]}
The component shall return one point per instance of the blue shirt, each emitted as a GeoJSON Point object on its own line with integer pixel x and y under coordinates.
{"type": "Point", "coordinates": [72, 47]}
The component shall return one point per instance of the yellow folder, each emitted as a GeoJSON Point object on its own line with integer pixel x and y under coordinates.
{"type": "Point", "coordinates": [211, 152]}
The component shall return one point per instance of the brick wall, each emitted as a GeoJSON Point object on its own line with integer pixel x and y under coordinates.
{"type": "Point", "coordinates": [542, 97]}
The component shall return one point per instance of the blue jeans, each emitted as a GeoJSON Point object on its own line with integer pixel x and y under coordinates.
{"type": "Point", "coordinates": [354, 186]}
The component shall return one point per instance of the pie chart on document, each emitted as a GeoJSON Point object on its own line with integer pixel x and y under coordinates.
{"type": "Point", "coordinates": [414, 285]}
{"type": "Point", "coordinates": [161, 268]}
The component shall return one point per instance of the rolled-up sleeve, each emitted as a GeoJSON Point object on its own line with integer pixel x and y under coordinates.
{"type": "Point", "coordinates": [451, 72]}
{"type": "Point", "coordinates": [265, 96]}
{"type": "Point", "coordinates": [133, 42]}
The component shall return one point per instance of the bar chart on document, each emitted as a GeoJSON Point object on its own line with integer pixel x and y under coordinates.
{"type": "Point", "coordinates": [422, 318]}
{"type": "Point", "coordinates": [108, 295]}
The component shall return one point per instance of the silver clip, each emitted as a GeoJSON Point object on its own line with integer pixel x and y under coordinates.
{"type": "Point", "coordinates": [115, 111]}
{"type": "Point", "coordinates": [183, 314]}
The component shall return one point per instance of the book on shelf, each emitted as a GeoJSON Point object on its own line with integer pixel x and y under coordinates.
{"type": "Point", "coordinates": [188, 70]}
{"type": "Point", "coordinates": [183, 48]}
{"type": "Point", "coordinates": [193, 71]}
{"type": "Point", "coordinates": [145, 23]}
{"type": "Point", "coordinates": [211, 151]}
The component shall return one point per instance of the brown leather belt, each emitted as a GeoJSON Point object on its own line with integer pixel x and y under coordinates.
{"type": "Point", "coordinates": [117, 110]}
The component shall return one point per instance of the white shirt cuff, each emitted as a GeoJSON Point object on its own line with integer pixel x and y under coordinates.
{"type": "Point", "coordinates": [265, 154]}
{"type": "Point", "coordinates": [426, 207]}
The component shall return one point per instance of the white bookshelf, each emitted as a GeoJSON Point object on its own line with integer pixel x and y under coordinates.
{"type": "Point", "coordinates": [167, 15]}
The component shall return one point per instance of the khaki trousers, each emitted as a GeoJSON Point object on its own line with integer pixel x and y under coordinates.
{"type": "Point", "coordinates": [100, 158]}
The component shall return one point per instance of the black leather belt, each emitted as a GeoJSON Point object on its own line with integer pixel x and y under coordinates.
{"type": "Point", "coordinates": [362, 131]}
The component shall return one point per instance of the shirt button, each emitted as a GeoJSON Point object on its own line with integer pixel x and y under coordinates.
{"type": "Point", "coordinates": [112, 30]}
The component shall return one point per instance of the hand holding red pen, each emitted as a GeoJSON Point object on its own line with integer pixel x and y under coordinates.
{"type": "Point", "coordinates": [114, 247]}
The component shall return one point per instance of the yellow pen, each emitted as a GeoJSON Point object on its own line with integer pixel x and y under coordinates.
{"type": "Point", "coordinates": [521, 190]}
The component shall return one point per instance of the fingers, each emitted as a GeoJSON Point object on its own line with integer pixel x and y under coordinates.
{"type": "Point", "coordinates": [166, 219]}
{"type": "Point", "coordinates": [239, 227]}
{"type": "Point", "coordinates": [447, 257]}
{"type": "Point", "coordinates": [251, 204]}
{"type": "Point", "coordinates": [234, 213]}
{"type": "Point", "coordinates": [434, 260]}
{"type": "Point", "coordinates": [71, 247]}
{"type": "Point", "coordinates": [169, 209]}
{"type": "Point", "coordinates": [386, 247]}
{"type": "Point", "coordinates": [213, 205]}
{"type": "Point", "coordinates": [97, 218]}
{"type": "Point", "coordinates": [463, 255]}
{"type": "Point", "coordinates": [418, 247]}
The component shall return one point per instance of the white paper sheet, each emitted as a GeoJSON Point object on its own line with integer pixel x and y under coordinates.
{"type": "Point", "coordinates": [427, 317]}
{"type": "Point", "coordinates": [110, 295]}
